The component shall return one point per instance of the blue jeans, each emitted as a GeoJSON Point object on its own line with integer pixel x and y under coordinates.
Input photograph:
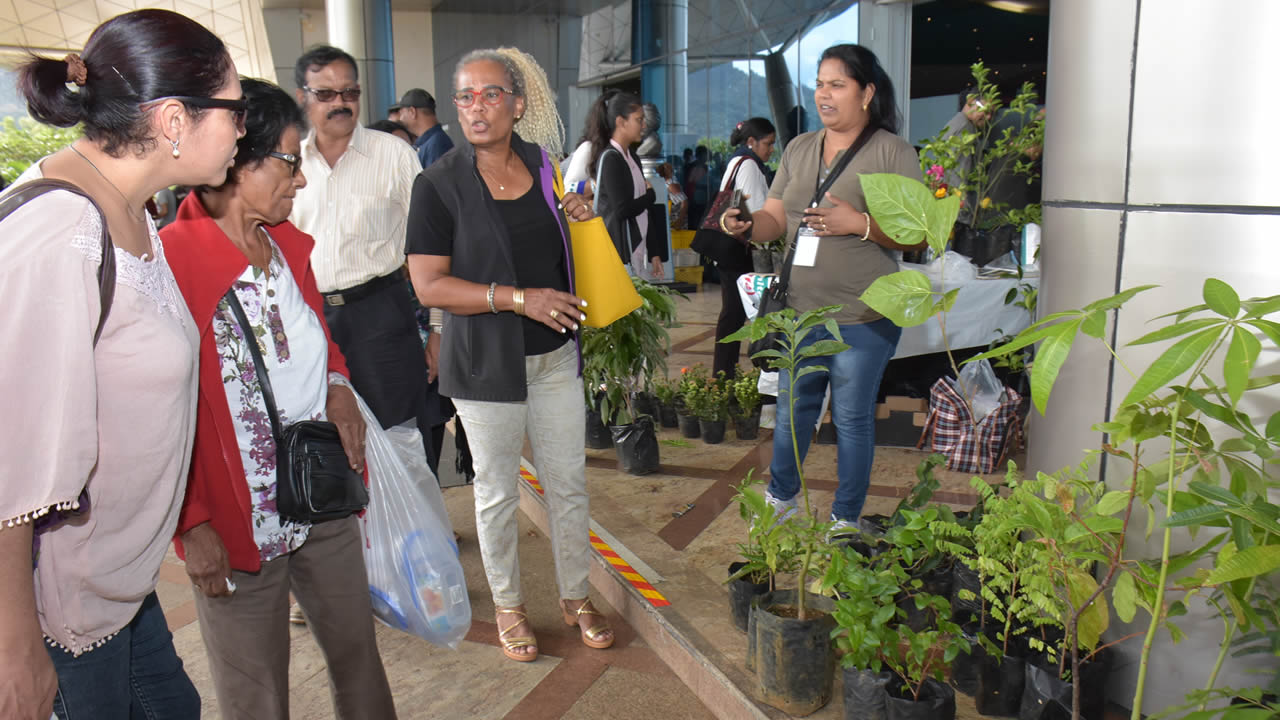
{"type": "Point", "coordinates": [136, 675]}
{"type": "Point", "coordinates": [854, 376]}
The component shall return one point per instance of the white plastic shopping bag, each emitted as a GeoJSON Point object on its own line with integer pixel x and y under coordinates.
{"type": "Point", "coordinates": [415, 576]}
{"type": "Point", "coordinates": [979, 385]}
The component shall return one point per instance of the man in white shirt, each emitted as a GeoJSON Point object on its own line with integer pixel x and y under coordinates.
{"type": "Point", "coordinates": [356, 205]}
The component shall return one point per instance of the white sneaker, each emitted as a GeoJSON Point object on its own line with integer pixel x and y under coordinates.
{"type": "Point", "coordinates": [842, 528]}
{"type": "Point", "coordinates": [782, 509]}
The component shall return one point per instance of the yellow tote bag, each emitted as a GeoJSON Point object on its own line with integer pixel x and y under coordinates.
{"type": "Point", "coordinates": [598, 274]}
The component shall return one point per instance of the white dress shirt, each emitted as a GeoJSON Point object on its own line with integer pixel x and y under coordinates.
{"type": "Point", "coordinates": [357, 209]}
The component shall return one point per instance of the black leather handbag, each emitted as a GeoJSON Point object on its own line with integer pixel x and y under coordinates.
{"type": "Point", "coordinates": [314, 481]}
{"type": "Point", "coordinates": [774, 298]}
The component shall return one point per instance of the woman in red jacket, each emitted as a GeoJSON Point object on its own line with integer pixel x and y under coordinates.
{"type": "Point", "coordinates": [243, 558]}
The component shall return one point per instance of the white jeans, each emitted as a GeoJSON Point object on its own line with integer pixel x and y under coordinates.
{"type": "Point", "coordinates": [555, 416]}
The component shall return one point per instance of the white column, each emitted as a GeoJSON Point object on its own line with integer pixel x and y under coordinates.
{"type": "Point", "coordinates": [886, 31]}
{"type": "Point", "coordinates": [1155, 172]}
{"type": "Point", "coordinates": [363, 29]}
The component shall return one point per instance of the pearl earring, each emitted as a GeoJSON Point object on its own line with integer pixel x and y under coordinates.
{"type": "Point", "coordinates": [176, 153]}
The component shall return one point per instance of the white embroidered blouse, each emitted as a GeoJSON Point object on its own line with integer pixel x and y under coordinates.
{"type": "Point", "coordinates": [116, 420]}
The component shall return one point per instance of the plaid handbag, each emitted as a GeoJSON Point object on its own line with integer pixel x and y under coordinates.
{"type": "Point", "coordinates": [968, 447]}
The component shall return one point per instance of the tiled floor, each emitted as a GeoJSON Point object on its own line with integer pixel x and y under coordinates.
{"type": "Point", "coordinates": [676, 529]}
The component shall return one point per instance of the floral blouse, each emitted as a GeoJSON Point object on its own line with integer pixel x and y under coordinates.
{"type": "Point", "coordinates": [295, 352]}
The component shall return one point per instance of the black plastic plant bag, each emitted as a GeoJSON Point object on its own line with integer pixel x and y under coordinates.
{"type": "Point", "coordinates": [637, 446]}
{"type": "Point", "coordinates": [866, 694]}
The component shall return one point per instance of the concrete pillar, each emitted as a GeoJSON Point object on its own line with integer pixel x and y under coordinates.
{"type": "Point", "coordinates": [886, 31]}
{"type": "Point", "coordinates": [363, 28]}
{"type": "Point", "coordinates": [661, 28]}
{"type": "Point", "coordinates": [782, 94]}
{"type": "Point", "coordinates": [1153, 175]}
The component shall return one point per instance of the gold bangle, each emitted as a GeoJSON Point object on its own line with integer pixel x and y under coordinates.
{"type": "Point", "coordinates": [722, 225]}
{"type": "Point", "coordinates": [517, 301]}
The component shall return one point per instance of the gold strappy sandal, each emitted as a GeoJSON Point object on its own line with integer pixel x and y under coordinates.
{"type": "Point", "coordinates": [509, 644]}
{"type": "Point", "coordinates": [591, 635]}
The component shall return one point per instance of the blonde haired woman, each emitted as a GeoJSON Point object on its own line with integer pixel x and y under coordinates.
{"type": "Point", "coordinates": [489, 244]}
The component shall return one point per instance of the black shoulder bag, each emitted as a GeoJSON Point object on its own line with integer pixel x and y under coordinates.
{"type": "Point", "coordinates": [774, 298]}
{"type": "Point", "coordinates": [314, 481]}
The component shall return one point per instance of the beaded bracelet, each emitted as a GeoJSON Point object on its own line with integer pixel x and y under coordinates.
{"type": "Point", "coordinates": [867, 234]}
{"type": "Point", "coordinates": [493, 286]}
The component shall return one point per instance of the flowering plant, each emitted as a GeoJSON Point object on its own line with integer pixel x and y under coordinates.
{"type": "Point", "coordinates": [1005, 141]}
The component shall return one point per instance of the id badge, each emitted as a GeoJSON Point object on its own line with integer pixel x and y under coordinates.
{"type": "Point", "coordinates": [806, 247]}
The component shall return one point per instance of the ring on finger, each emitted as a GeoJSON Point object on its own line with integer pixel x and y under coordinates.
{"type": "Point", "coordinates": [554, 314]}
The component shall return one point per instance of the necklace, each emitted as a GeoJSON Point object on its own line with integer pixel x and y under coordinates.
{"type": "Point", "coordinates": [494, 177]}
{"type": "Point", "coordinates": [127, 209]}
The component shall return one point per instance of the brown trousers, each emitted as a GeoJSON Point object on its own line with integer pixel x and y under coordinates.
{"type": "Point", "coordinates": [246, 635]}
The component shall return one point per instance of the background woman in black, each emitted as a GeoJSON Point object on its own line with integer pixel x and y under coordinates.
{"type": "Point", "coordinates": [623, 196]}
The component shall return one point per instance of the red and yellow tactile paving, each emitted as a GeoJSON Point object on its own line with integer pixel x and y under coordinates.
{"type": "Point", "coordinates": [624, 568]}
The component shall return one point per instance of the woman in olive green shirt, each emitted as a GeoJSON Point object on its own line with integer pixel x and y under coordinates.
{"type": "Point", "coordinates": [839, 252]}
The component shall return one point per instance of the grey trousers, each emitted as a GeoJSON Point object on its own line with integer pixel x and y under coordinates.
{"type": "Point", "coordinates": [246, 635]}
{"type": "Point", "coordinates": [554, 414]}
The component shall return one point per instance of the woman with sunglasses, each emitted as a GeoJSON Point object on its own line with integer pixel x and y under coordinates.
{"type": "Point", "coordinates": [98, 433]}
{"type": "Point", "coordinates": [488, 243]}
{"type": "Point", "coordinates": [242, 557]}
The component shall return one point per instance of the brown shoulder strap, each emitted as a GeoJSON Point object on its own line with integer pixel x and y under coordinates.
{"type": "Point", "coordinates": [26, 192]}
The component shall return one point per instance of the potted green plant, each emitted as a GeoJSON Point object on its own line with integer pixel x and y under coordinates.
{"type": "Point", "coordinates": [1201, 481]}
{"type": "Point", "coordinates": [746, 391]}
{"type": "Point", "coordinates": [664, 393]}
{"type": "Point", "coordinates": [788, 633]}
{"type": "Point", "coordinates": [875, 634]}
{"type": "Point", "coordinates": [616, 360]}
{"type": "Point", "coordinates": [712, 410]}
{"type": "Point", "coordinates": [1004, 144]}
{"type": "Point", "coordinates": [765, 554]}
{"type": "Point", "coordinates": [692, 380]}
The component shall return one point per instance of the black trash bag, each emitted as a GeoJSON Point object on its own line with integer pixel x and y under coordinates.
{"type": "Point", "coordinates": [938, 579]}
{"type": "Point", "coordinates": [741, 592]}
{"type": "Point", "coordinates": [1001, 680]}
{"type": "Point", "coordinates": [598, 436]}
{"type": "Point", "coordinates": [637, 446]}
{"type": "Point", "coordinates": [644, 404]}
{"type": "Point", "coordinates": [689, 426]}
{"type": "Point", "coordinates": [712, 431]}
{"type": "Point", "coordinates": [964, 577]}
{"type": "Point", "coordinates": [1046, 696]}
{"type": "Point", "coordinates": [794, 661]}
{"type": "Point", "coordinates": [964, 668]}
{"type": "Point", "coordinates": [875, 525]}
{"type": "Point", "coordinates": [866, 694]}
{"type": "Point", "coordinates": [937, 702]}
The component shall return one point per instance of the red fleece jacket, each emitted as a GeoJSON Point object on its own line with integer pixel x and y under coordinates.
{"type": "Point", "coordinates": [205, 264]}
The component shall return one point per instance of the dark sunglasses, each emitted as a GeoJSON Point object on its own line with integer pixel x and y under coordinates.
{"type": "Point", "coordinates": [294, 162]}
{"type": "Point", "coordinates": [239, 108]}
{"type": "Point", "coordinates": [489, 95]}
{"type": "Point", "coordinates": [324, 96]}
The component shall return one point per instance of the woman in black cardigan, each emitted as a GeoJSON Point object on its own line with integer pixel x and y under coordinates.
{"type": "Point", "coordinates": [623, 196]}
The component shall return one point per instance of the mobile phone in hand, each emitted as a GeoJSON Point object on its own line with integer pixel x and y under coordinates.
{"type": "Point", "coordinates": [739, 200]}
